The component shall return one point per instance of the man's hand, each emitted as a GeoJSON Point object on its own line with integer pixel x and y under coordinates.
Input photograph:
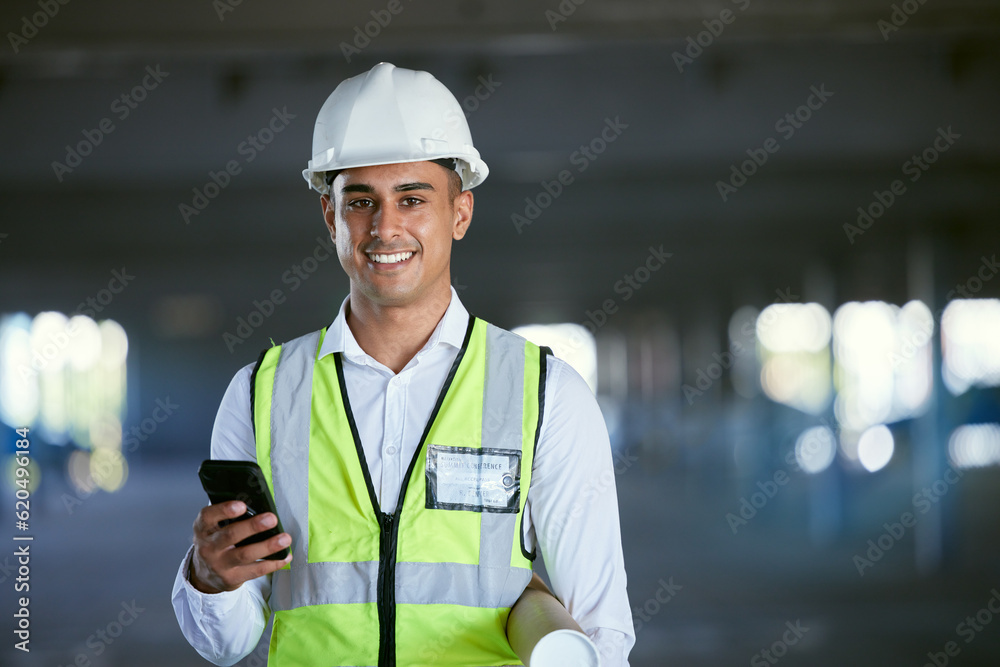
{"type": "Point", "coordinates": [217, 564]}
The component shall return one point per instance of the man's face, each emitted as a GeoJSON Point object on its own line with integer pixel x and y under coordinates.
{"type": "Point", "coordinates": [393, 225]}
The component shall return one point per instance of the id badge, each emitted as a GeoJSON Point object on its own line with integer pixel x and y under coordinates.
{"type": "Point", "coordinates": [475, 480]}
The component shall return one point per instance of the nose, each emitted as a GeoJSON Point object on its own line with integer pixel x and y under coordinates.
{"type": "Point", "coordinates": [387, 223]}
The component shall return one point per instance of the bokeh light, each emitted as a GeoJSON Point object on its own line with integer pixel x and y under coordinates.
{"type": "Point", "coordinates": [18, 378]}
{"type": "Point", "coordinates": [975, 446]}
{"type": "Point", "coordinates": [970, 344]}
{"type": "Point", "coordinates": [793, 343]}
{"type": "Point", "coordinates": [794, 327]}
{"type": "Point", "coordinates": [883, 362]}
{"type": "Point", "coordinates": [66, 378]}
{"type": "Point", "coordinates": [570, 342]}
{"type": "Point", "coordinates": [815, 449]}
{"type": "Point", "coordinates": [875, 448]}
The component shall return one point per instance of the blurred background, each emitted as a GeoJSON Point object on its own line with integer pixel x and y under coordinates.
{"type": "Point", "coordinates": [763, 230]}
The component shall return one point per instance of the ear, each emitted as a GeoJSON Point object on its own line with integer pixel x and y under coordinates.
{"type": "Point", "coordinates": [463, 214]}
{"type": "Point", "coordinates": [329, 215]}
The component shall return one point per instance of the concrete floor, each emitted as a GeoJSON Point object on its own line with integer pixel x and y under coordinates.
{"type": "Point", "coordinates": [737, 592]}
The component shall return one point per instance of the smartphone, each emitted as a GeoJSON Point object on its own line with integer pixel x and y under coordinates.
{"type": "Point", "coordinates": [241, 480]}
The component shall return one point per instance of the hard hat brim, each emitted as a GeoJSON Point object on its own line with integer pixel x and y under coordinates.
{"type": "Point", "coordinates": [471, 173]}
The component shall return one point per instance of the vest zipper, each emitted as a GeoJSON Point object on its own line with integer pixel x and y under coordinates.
{"type": "Point", "coordinates": [387, 590]}
{"type": "Point", "coordinates": [389, 523]}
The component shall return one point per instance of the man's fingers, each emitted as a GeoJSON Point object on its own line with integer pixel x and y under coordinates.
{"type": "Point", "coordinates": [253, 552]}
{"type": "Point", "coordinates": [218, 564]}
{"type": "Point", "coordinates": [209, 517]}
{"type": "Point", "coordinates": [246, 563]}
{"type": "Point", "coordinates": [231, 577]}
{"type": "Point", "coordinates": [238, 531]}
{"type": "Point", "coordinates": [260, 568]}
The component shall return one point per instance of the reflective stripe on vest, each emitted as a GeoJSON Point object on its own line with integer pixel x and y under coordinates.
{"type": "Point", "coordinates": [419, 586]}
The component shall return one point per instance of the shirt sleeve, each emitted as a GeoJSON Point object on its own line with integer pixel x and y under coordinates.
{"type": "Point", "coordinates": [225, 627]}
{"type": "Point", "coordinates": [573, 514]}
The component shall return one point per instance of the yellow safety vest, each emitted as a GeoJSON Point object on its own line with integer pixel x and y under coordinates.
{"type": "Point", "coordinates": [433, 582]}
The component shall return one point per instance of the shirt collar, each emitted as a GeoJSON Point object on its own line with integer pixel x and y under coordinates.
{"type": "Point", "coordinates": [450, 331]}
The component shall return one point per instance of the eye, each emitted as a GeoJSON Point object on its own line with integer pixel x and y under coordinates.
{"type": "Point", "coordinates": [412, 201]}
{"type": "Point", "coordinates": [362, 202]}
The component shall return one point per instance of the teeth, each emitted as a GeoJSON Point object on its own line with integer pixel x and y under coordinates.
{"type": "Point", "coordinates": [391, 259]}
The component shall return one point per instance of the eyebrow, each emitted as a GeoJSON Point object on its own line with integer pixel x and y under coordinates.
{"type": "Point", "coordinates": [406, 187]}
{"type": "Point", "coordinates": [403, 187]}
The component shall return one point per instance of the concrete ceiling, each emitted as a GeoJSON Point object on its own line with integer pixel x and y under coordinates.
{"type": "Point", "coordinates": [555, 84]}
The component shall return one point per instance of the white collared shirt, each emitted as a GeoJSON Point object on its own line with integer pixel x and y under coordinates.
{"type": "Point", "coordinates": [571, 510]}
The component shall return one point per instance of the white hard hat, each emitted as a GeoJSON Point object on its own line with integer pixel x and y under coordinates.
{"type": "Point", "coordinates": [388, 115]}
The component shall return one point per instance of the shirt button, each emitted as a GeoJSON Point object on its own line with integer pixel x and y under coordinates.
{"type": "Point", "coordinates": [390, 450]}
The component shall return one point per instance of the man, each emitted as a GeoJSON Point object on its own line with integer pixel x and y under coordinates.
{"type": "Point", "coordinates": [417, 455]}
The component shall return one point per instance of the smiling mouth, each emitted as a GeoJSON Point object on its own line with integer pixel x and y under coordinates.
{"type": "Point", "coordinates": [394, 258]}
